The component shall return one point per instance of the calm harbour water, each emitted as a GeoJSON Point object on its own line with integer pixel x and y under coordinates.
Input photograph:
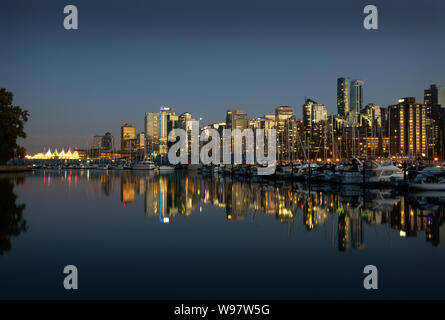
{"type": "Point", "coordinates": [184, 236]}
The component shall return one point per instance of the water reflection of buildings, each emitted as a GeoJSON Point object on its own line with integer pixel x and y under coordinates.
{"type": "Point", "coordinates": [128, 188]}
{"type": "Point", "coordinates": [345, 214]}
{"type": "Point", "coordinates": [415, 214]}
{"type": "Point", "coordinates": [166, 196]}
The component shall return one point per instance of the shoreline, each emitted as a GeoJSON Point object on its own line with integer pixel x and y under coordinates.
{"type": "Point", "coordinates": [14, 168]}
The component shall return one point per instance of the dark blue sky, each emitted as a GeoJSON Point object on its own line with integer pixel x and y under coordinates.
{"type": "Point", "coordinates": [204, 57]}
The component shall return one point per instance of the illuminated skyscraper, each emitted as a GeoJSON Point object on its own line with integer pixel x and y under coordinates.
{"type": "Point", "coordinates": [191, 126]}
{"type": "Point", "coordinates": [236, 119]}
{"type": "Point", "coordinates": [165, 112]}
{"type": "Point", "coordinates": [343, 96]}
{"type": "Point", "coordinates": [286, 126]}
{"type": "Point", "coordinates": [434, 99]}
{"type": "Point", "coordinates": [152, 133]}
{"type": "Point", "coordinates": [172, 123]}
{"type": "Point", "coordinates": [408, 128]}
{"type": "Point", "coordinates": [283, 113]}
{"type": "Point", "coordinates": [435, 95]}
{"type": "Point", "coordinates": [314, 122]}
{"type": "Point", "coordinates": [313, 112]}
{"type": "Point", "coordinates": [140, 141]}
{"type": "Point", "coordinates": [128, 136]}
{"type": "Point", "coordinates": [356, 99]}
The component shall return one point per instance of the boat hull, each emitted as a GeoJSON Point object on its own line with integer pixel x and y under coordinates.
{"type": "Point", "coordinates": [429, 186]}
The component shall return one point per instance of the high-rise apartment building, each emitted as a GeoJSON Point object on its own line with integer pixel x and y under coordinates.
{"type": "Point", "coordinates": [349, 98]}
{"type": "Point", "coordinates": [343, 96]}
{"type": "Point", "coordinates": [313, 112]}
{"type": "Point", "coordinates": [434, 100]}
{"type": "Point", "coordinates": [286, 126]}
{"type": "Point", "coordinates": [163, 137]}
{"type": "Point", "coordinates": [407, 126]}
{"type": "Point", "coordinates": [140, 141]}
{"type": "Point", "coordinates": [152, 133]}
{"type": "Point", "coordinates": [191, 127]}
{"type": "Point", "coordinates": [314, 121]}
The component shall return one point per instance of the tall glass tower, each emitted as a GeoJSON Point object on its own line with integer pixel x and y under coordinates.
{"type": "Point", "coordinates": [152, 132]}
{"type": "Point", "coordinates": [343, 92]}
{"type": "Point", "coordinates": [163, 126]}
{"type": "Point", "coordinates": [435, 96]}
{"type": "Point", "coordinates": [356, 100]}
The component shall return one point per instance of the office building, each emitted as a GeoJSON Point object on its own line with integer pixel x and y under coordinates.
{"type": "Point", "coordinates": [128, 136]}
{"type": "Point", "coordinates": [356, 99]}
{"type": "Point", "coordinates": [152, 133]}
{"type": "Point", "coordinates": [236, 119]}
{"type": "Point", "coordinates": [435, 95]}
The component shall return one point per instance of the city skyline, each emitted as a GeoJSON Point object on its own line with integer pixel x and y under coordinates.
{"type": "Point", "coordinates": [298, 112]}
{"type": "Point", "coordinates": [316, 123]}
{"type": "Point", "coordinates": [222, 158]}
{"type": "Point", "coordinates": [127, 60]}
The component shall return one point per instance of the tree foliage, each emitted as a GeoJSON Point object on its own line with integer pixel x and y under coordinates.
{"type": "Point", "coordinates": [12, 124]}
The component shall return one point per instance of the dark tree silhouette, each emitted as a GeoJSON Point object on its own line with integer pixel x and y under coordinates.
{"type": "Point", "coordinates": [21, 152]}
{"type": "Point", "coordinates": [12, 123]}
{"type": "Point", "coordinates": [11, 215]}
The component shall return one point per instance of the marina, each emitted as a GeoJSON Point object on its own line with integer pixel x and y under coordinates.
{"type": "Point", "coordinates": [366, 173]}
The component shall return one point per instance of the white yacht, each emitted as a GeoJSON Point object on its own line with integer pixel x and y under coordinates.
{"type": "Point", "coordinates": [383, 173]}
{"type": "Point", "coordinates": [166, 168]}
{"type": "Point", "coordinates": [433, 183]}
{"type": "Point", "coordinates": [261, 170]}
{"type": "Point", "coordinates": [143, 165]}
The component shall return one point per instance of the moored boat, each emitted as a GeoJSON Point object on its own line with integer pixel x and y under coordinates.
{"type": "Point", "coordinates": [143, 165]}
{"type": "Point", "coordinates": [427, 182]}
{"type": "Point", "coordinates": [166, 168]}
{"type": "Point", "coordinates": [283, 171]}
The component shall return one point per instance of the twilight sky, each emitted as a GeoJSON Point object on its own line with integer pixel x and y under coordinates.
{"type": "Point", "coordinates": [130, 57]}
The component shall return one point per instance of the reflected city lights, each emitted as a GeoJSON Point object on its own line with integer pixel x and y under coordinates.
{"type": "Point", "coordinates": [344, 214]}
